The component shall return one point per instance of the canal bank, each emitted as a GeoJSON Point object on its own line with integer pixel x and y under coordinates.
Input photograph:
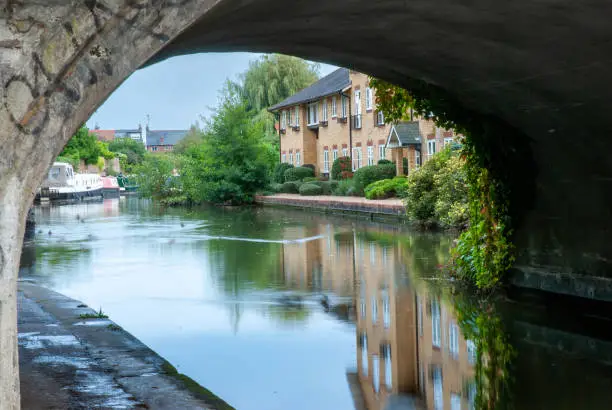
{"type": "Point", "coordinates": [71, 356]}
{"type": "Point", "coordinates": [373, 209]}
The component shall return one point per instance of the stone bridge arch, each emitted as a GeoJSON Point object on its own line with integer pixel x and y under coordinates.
{"type": "Point", "coordinates": [542, 66]}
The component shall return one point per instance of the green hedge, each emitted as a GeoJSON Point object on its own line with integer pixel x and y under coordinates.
{"type": "Point", "coordinates": [345, 188]}
{"type": "Point", "coordinates": [328, 187]}
{"type": "Point", "coordinates": [290, 187]}
{"type": "Point", "coordinates": [366, 175]}
{"type": "Point", "coordinates": [309, 179]}
{"type": "Point", "coordinates": [298, 174]}
{"type": "Point", "coordinates": [341, 169]}
{"type": "Point", "coordinates": [387, 188]}
{"type": "Point", "coordinates": [310, 189]}
{"type": "Point", "coordinates": [384, 161]}
{"type": "Point", "coordinates": [279, 172]}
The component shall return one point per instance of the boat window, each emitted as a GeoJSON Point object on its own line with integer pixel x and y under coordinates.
{"type": "Point", "coordinates": [54, 173]}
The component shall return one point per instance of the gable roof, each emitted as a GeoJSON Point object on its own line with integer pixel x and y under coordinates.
{"type": "Point", "coordinates": [330, 84]}
{"type": "Point", "coordinates": [170, 137]}
{"type": "Point", "coordinates": [104, 135]}
{"type": "Point", "coordinates": [403, 134]}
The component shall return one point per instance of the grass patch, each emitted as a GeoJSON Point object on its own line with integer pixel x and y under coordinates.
{"type": "Point", "coordinates": [199, 391]}
{"type": "Point", "coordinates": [96, 315]}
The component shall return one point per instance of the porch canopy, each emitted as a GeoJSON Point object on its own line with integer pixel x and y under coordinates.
{"type": "Point", "coordinates": [403, 135]}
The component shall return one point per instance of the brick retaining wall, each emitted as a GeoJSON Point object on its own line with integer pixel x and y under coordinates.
{"type": "Point", "coordinates": [337, 203]}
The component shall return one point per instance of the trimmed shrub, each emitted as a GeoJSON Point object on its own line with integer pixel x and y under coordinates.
{"type": "Point", "coordinates": [278, 174]}
{"type": "Point", "coordinates": [326, 186]}
{"type": "Point", "coordinates": [366, 175]}
{"type": "Point", "coordinates": [384, 161]}
{"type": "Point", "coordinates": [274, 187]}
{"type": "Point", "coordinates": [386, 188]}
{"type": "Point", "coordinates": [310, 189]}
{"type": "Point", "coordinates": [342, 169]}
{"type": "Point", "coordinates": [345, 187]}
{"type": "Point", "coordinates": [309, 179]}
{"type": "Point", "coordinates": [310, 166]}
{"type": "Point", "coordinates": [298, 174]}
{"type": "Point", "coordinates": [290, 187]}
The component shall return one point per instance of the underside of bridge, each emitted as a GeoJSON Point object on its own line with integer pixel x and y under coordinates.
{"type": "Point", "coordinates": [540, 65]}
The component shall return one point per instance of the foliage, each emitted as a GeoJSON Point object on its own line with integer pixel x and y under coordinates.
{"type": "Point", "coordinates": [384, 161]}
{"type": "Point", "coordinates": [275, 187]}
{"type": "Point", "coordinates": [194, 137]}
{"type": "Point", "coordinates": [291, 187]}
{"type": "Point", "coordinates": [345, 187]}
{"type": "Point", "coordinates": [153, 176]}
{"type": "Point", "coordinates": [298, 173]}
{"type": "Point", "coordinates": [342, 168]}
{"type": "Point", "coordinates": [386, 188]}
{"type": "Point", "coordinates": [104, 151]}
{"type": "Point", "coordinates": [100, 163]}
{"type": "Point", "coordinates": [75, 162]}
{"type": "Point", "coordinates": [133, 152]}
{"type": "Point", "coordinates": [366, 175]}
{"type": "Point", "coordinates": [309, 179]}
{"type": "Point", "coordinates": [232, 163]}
{"type": "Point", "coordinates": [500, 174]}
{"type": "Point", "coordinates": [83, 145]}
{"type": "Point", "coordinates": [327, 187]}
{"type": "Point", "coordinates": [278, 175]}
{"type": "Point", "coordinates": [310, 189]}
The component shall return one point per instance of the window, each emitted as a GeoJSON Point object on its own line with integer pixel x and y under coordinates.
{"type": "Point", "coordinates": [386, 310]}
{"type": "Point", "coordinates": [435, 323]}
{"type": "Point", "coordinates": [334, 107]}
{"type": "Point", "coordinates": [313, 113]}
{"type": "Point", "coordinates": [455, 401]}
{"type": "Point", "coordinates": [453, 340]}
{"type": "Point", "coordinates": [364, 354]}
{"type": "Point", "coordinates": [344, 106]}
{"type": "Point", "coordinates": [297, 117]}
{"type": "Point", "coordinates": [431, 147]}
{"type": "Point", "coordinates": [376, 373]}
{"type": "Point", "coordinates": [289, 118]}
{"type": "Point", "coordinates": [297, 158]}
{"type": "Point", "coordinates": [356, 158]}
{"type": "Point", "coordinates": [363, 307]}
{"type": "Point", "coordinates": [335, 154]}
{"type": "Point", "coordinates": [374, 310]}
{"type": "Point", "coordinates": [417, 159]}
{"type": "Point", "coordinates": [291, 158]}
{"type": "Point", "coordinates": [420, 315]}
{"type": "Point", "coordinates": [380, 118]}
{"type": "Point", "coordinates": [438, 391]}
{"type": "Point", "coordinates": [448, 141]}
{"type": "Point", "coordinates": [324, 111]}
{"type": "Point", "coordinates": [357, 102]}
{"type": "Point", "coordinates": [471, 351]}
{"type": "Point", "coordinates": [381, 152]}
{"type": "Point", "coordinates": [326, 160]}
{"type": "Point", "coordinates": [368, 99]}
{"type": "Point", "coordinates": [386, 350]}
{"type": "Point", "coordinates": [372, 253]}
{"type": "Point", "coordinates": [370, 155]}
{"type": "Point", "coordinates": [345, 152]}
{"type": "Point", "coordinates": [283, 120]}
{"type": "Point", "coordinates": [284, 158]}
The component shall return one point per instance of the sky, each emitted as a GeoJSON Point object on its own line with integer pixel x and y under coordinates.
{"type": "Point", "coordinates": [174, 93]}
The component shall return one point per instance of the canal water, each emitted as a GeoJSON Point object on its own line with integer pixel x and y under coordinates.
{"type": "Point", "coordinates": [284, 309]}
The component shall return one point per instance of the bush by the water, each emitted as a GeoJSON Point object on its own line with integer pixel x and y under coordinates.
{"type": "Point", "coordinates": [278, 175]}
{"type": "Point", "coordinates": [345, 187]}
{"type": "Point", "coordinates": [290, 187]}
{"type": "Point", "coordinates": [274, 187]}
{"type": "Point", "coordinates": [298, 173]}
{"type": "Point", "coordinates": [438, 191]}
{"type": "Point", "coordinates": [366, 175]}
{"type": "Point", "coordinates": [327, 187]}
{"type": "Point", "coordinates": [386, 188]}
{"type": "Point", "coordinates": [310, 189]}
{"type": "Point", "coordinates": [341, 169]}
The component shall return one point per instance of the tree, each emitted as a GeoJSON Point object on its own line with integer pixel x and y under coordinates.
{"type": "Point", "coordinates": [82, 146]}
{"type": "Point", "coordinates": [133, 150]}
{"type": "Point", "coordinates": [194, 137]}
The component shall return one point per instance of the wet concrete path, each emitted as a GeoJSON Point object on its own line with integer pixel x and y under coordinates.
{"type": "Point", "coordinates": [71, 362]}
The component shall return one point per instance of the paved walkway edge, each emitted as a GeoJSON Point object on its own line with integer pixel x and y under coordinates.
{"type": "Point", "coordinates": [102, 349]}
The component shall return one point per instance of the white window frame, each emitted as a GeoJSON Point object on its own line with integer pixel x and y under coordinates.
{"type": "Point", "coordinates": [386, 307]}
{"type": "Point", "coordinates": [453, 340]}
{"type": "Point", "coordinates": [324, 110]}
{"type": "Point", "coordinates": [297, 116]}
{"type": "Point", "coordinates": [448, 140]}
{"type": "Point", "coordinates": [357, 102]}
{"type": "Point", "coordinates": [382, 152]}
{"type": "Point", "coordinates": [363, 307]}
{"type": "Point", "coordinates": [344, 107]}
{"type": "Point", "coordinates": [334, 154]}
{"type": "Point", "coordinates": [436, 324]}
{"type": "Point", "coordinates": [368, 99]}
{"type": "Point", "coordinates": [284, 120]}
{"type": "Point", "coordinates": [364, 354]}
{"type": "Point", "coordinates": [298, 158]}
{"type": "Point", "coordinates": [334, 107]}
{"type": "Point", "coordinates": [417, 159]}
{"type": "Point", "coordinates": [455, 401]}
{"type": "Point", "coordinates": [289, 113]}
{"type": "Point", "coordinates": [370, 155]}
{"type": "Point", "coordinates": [313, 113]}
{"type": "Point", "coordinates": [471, 351]}
{"type": "Point", "coordinates": [380, 118]}
{"type": "Point", "coordinates": [345, 152]}
{"type": "Point", "coordinates": [438, 389]}
{"type": "Point", "coordinates": [284, 158]}
{"type": "Point", "coordinates": [374, 310]}
{"type": "Point", "coordinates": [356, 158]}
{"type": "Point", "coordinates": [291, 158]}
{"type": "Point", "coordinates": [376, 373]}
{"type": "Point", "coordinates": [388, 368]}
{"type": "Point", "coordinates": [431, 147]}
{"type": "Point", "coordinates": [325, 160]}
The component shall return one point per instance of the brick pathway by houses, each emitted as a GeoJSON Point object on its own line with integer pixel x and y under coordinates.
{"type": "Point", "coordinates": [392, 206]}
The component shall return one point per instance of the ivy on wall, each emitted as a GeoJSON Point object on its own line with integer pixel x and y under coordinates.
{"type": "Point", "coordinates": [500, 173]}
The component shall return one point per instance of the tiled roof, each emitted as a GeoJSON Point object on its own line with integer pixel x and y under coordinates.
{"type": "Point", "coordinates": [330, 84]}
{"type": "Point", "coordinates": [408, 132]}
{"type": "Point", "coordinates": [170, 137]}
{"type": "Point", "coordinates": [104, 135]}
